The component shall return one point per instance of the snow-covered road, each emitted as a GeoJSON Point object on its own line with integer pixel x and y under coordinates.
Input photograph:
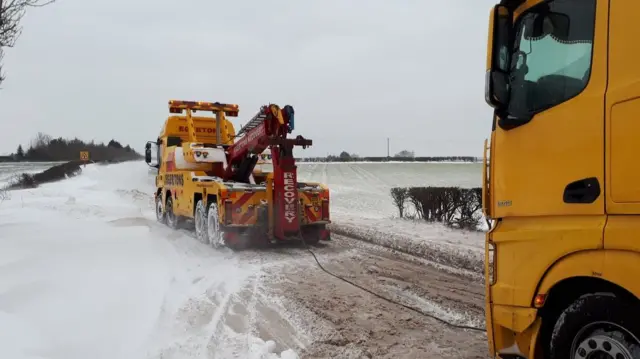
{"type": "Point", "coordinates": [86, 272]}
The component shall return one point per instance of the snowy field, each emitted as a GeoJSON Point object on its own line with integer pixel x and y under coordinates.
{"type": "Point", "coordinates": [361, 207]}
{"type": "Point", "coordinates": [86, 272]}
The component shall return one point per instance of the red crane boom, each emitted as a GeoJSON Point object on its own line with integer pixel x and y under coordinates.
{"type": "Point", "coordinates": [269, 128]}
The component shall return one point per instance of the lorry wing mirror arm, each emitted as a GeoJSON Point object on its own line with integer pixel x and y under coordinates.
{"type": "Point", "coordinates": [508, 122]}
{"type": "Point", "coordinates": [498, 58]}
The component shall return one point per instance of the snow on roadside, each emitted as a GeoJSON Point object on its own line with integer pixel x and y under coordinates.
{"type": "Point", "coordinates": [448, 314]}
{"type": "Point", "coordinates": [86, 272]}
{"type": "Point", "coordinates": [362, 207]}
{"type": "Point", "coordinates": [435, 242]}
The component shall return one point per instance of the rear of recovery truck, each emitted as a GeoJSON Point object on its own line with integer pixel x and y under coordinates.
{"type": "Point", "coordinates": [207, 178]}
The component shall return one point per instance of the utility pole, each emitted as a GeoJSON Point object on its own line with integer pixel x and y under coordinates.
{"type": "Point", "coordinates": [388, 147]}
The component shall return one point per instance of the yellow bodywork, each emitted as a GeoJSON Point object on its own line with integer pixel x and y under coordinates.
{"type": "Point", "coordinates": [543, 244]}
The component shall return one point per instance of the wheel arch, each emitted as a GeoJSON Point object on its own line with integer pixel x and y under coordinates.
{"type": "Point", "coordinates": [197, 196]}
{"type": "Point", "coordinates": [586, 272]}
{"type": "Point", "coordinates": [613, 269]}
{"type": "Point", "coordinates": [211, 198]}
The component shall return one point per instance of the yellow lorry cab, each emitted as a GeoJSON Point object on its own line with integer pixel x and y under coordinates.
{"type": "Point", "coordinates": [560, 183]}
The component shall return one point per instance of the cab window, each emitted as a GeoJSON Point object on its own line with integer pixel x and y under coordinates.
{"type": "Point", "coordinates": [551, 57]}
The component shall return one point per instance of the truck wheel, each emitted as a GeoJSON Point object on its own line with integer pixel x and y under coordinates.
{"type": "Point", "coordinates": [214, 234]}
{"type": "Point", "coordinates": [201, 222]}
{"type": "Point", "coordinates": [160, 215]}
{"type": "Point", "coordinates": [173, 221]}
{"type": "Point", "coordinates": [597, 326]}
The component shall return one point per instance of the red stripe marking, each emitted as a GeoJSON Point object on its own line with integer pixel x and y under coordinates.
{"type": "Point", "coordinates": [247, 216]}
{"type": "Point", "coordinates": [244, 199]}
{"type": "Point", "coordinates": [171, 162]}
{"type": "Point", "coordinates": [312, 217]}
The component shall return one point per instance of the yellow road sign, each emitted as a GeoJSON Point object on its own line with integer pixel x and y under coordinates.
{"type": "Point", "coordinates": [84, 155]}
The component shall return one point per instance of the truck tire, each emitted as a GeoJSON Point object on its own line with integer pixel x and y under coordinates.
{"type": "Point", "coordinates": [200, 219]}
{"type": "Point", "coordinates": [597, 324]}
{"type": "Point", "coordinates": [214, 234]}
{"type": "Point", "coordinates": [172, 220]}
{"type": "Point", "coordinates": [160, 215]}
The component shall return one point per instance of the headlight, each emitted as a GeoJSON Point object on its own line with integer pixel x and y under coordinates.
{"type": "Point", "coordinates": [491, 262]}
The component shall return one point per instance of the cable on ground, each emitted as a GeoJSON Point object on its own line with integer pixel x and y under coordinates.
{"type": "Point", "coordinates": [443, 321]}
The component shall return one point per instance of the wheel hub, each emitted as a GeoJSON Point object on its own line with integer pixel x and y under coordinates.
{"type": "Point", "coordinates": [601, 344]}
{"type": "Point", "coordinates": [159, 209]}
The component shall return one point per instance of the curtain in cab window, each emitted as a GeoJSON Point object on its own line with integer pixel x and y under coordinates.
{"type": "Point", "coordinates": [547, 69]}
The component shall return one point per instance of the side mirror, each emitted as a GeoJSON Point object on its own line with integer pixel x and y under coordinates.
{"type": "Point", "coordinates": [148, 155]}
{"type": "Point", "coordinates": [498, 57]}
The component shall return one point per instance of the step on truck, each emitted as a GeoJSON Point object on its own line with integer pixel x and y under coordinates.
{"type": "Point", "coordinates": [561, 180]}
{"type": "Point", "coordinates": [207, 177]}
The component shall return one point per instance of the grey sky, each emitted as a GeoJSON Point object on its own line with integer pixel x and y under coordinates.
{"type": "Point", "coordinates": [356, 72]}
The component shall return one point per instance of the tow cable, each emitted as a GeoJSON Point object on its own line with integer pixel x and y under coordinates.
{"type": "Point", "coordinates": [443, 321]}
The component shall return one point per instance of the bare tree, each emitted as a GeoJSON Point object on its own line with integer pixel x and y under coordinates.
{"type": "Point", "coordinates": [405, 154]}
{"type": "Point", "coordinates": [11, 12]}
{"type": "Point", "coordinates": [41, 140]}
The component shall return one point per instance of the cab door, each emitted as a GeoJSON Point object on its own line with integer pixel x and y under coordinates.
{"type": "Point", "coordinates": [623, 129]}
{"type": "Point", "coordinates": [554, 164]}
{"type": "Point", "coordinates": [547, 158]}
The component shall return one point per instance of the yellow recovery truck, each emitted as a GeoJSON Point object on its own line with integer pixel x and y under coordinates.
{"type": "Point", "coordinates": [207, 177]}
{"type": "Point", "coordinates": [561, 180]}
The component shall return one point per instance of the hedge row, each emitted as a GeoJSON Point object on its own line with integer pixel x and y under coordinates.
{"type": "Point", "coordinates": [453, 206]}
{"type": "Point", "coordinates": [52, 174]}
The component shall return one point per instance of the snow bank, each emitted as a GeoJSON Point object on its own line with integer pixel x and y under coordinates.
{"type": "Point", "coordinates": [75, 288]}
{"type": "Point", "coordinates": [434, 242]}
{"type": "Point", "coordinates": [85, 272]}
{"type": "Point", "coordinates": [260, 349]}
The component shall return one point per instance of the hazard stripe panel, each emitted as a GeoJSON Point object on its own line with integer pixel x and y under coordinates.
{"type": "Point", "coordinates": [247, 215]}
{"type": "Point", "coordinates": [242, 200]}
{"type": "Point", "coordinates": [309, 213]}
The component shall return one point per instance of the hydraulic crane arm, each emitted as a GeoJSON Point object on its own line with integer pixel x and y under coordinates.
{"type": "Point", "coordinates": [268, 128]}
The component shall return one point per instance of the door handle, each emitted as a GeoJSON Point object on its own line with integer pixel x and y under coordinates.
{"type": "Point", "coordinates": [586, 190]}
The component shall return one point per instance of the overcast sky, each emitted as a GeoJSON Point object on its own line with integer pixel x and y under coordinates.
{"type": "Point", "coordinates": [356, 72]}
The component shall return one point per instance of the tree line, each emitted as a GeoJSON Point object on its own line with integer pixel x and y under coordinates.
{"type": "Point", "coordinates": [44, 148]}
{"type": "Point", "coordinates": [402, 156]}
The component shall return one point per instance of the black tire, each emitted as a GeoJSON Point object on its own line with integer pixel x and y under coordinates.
{"type": "Point", "coordinates": [172, 220]}
{"type": "Point", "coordinates": [160, 215]}
{"type": "Point", "coordinates": [200, 222]}
{"type": "Point", "coordinates": [215, 235]}
{"type": "Point", "coordinates": [597, 323]}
